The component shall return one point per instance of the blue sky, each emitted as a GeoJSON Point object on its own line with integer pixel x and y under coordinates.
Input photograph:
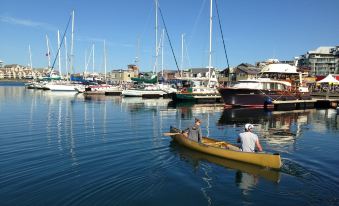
{"type": "Point", "coordinates": [253, 30]}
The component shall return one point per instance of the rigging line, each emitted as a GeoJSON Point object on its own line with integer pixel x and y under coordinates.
{"type": "Point", "coordinates": [163, 21]}
{"type": "Point", "coordinates": [62, 41]}
{"type": "Point", "coordinates": [193, 31]}
{"type": "Point", "coordinates": [222, 35]}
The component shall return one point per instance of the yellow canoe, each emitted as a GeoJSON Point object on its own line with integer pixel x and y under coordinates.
{"type": "Point", "coordinates": [272, 175]}
{"type": "Point", "coordinates": [226, 150]}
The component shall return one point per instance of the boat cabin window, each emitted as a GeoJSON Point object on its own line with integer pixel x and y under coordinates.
{"type": "Point", "coordinates": [281, 87]}
{"type": "Point", "coordinates": [246, 84]}
{"type": "Point", "coordinates": [265, 85]}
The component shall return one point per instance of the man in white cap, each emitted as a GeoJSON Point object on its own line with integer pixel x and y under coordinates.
{"type": "Point", "coordinates": [249, 140]}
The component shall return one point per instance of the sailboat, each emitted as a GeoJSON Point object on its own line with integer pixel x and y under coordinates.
{"type": "Point", "coordinates": [201, 90]}
{"type": "Point", "coordinates": [65, 85]}
{"type": "Point", "coordinates": [149, 88]}
{"type": "Point", "coordinates": [99, 89]}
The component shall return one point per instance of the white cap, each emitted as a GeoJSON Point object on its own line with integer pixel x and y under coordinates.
{"type": "Point", "coordinates": [249, 126]}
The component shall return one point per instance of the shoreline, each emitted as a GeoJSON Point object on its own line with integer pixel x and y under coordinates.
{"type": "Point", "coordinates": [14, 80]}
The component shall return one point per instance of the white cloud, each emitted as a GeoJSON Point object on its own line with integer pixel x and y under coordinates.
{"type": "Point", "coordinates": [26, 22]}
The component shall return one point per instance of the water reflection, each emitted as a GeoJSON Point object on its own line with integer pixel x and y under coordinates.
{"type": "Point", "coordinates": [187, 111]}
{"type": "Point", "coordinates": [190, 110]}
{"type": "Point", "coordinates": [278, 128]}
{"type": "Point", "coordinates": [60, 121]}
{"type": "Point", "coordinates": [145, 101]}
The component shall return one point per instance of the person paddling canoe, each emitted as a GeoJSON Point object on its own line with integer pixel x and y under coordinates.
{"type": "Point", "coordinates": [194, 132]}
{"type": "Point", "coordinates": [249, 140]}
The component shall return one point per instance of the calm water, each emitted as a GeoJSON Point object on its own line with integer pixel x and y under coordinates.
{"type": "Point", "coordinates": [65, 149]}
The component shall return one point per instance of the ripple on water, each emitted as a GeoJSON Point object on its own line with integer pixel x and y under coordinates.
{"type": "Point", "coordinates": [313, 189]}
{"type": "Point", "coordinates": [68, 150]}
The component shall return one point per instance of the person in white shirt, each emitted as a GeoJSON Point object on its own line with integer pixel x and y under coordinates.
{"type": "Point", "coordinates": [249, 140]}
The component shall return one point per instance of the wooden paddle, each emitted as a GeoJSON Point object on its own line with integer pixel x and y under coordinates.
{"type": "Point", "coordinates": [171, 133]}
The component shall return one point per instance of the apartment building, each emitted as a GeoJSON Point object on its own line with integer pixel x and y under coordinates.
{"type": "Point", "coordinates": [322, 61]}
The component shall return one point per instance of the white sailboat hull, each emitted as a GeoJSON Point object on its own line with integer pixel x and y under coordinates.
{"type": "Point", "coordinates": [141, 92]}
{"type": "Point", "coordinates": [62, 87]}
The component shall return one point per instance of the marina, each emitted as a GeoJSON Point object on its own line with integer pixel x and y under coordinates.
{"type": "Point", "coordinates": [59, 147]}
{"type": "Point", "coordinates": [196, 102]}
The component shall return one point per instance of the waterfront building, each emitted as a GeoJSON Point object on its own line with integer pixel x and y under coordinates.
{"type": "Point", "coordinates": [173, 74]}
{"type": "Point", "coordinates": [245, 71]}
{"type": "Point", "coordinates": [1, 63]}
{"type": "Point", "coordinates": [322, 61]}
{"type": "Point", "coordinates": [240, 72]}
{"type": "Point", "coordinates": [120, 75]}
{"type": "Point", "coordinates": [16, 71]}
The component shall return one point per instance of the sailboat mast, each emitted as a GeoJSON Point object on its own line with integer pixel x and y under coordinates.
{"type": "Point", "coordinates": [182, 52]}
{"type": "Point", "coordinates": [210, 50]}
{"type": "Point", "coordinates": [85, 63]}
{"type": "Point", "coordinates": [66, 57]}
{"type": "Point", "coordinates": [48, 53]}
{"type": "Point", "coordinates": [162, 52]}
{"type": "Point", "coordinates": [136, 61]}
{"type": "Point", "coordinates": [59, 53]}
{"type": "Point", "coordinates": [105, 64]}
{"type": "Point", "coordinates": [93, 58]}
{"type": "Point", "coordinates": [72, 44]}
{"type": "Point", "coordinates": [30, 56]}
{"type": "Point", "coordinates": [156, 36]}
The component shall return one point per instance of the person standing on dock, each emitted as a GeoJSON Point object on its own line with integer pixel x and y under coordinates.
{"type": "Point", "coordinates": [194, 132]}
{"type": "Point", "coordinates": [249, 140]}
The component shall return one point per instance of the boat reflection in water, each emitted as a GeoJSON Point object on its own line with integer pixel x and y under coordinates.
{"type": "Point", "coordinates": [246, 175]}
{"type": "Point", "coordinates": [139, 104]}
{"type": "Point", "coordinates": [131, 101]}
{"type": "Point", "coordinates": [277, 127]}
{"type": "Point", "coordinates": [189, 110]}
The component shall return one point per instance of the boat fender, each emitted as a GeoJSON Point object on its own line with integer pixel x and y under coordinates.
{"type": "Point", "coordinates": [268, 100]}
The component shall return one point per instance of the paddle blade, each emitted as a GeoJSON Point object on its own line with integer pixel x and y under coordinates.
{"type": "Point", "coordinates": [170, 133]}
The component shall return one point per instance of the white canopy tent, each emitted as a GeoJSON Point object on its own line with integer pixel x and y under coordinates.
{"type": "Point", "coordinates": [328, 79]}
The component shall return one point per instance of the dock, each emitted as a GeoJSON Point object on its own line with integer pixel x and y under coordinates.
{"type": "Point", "coordinates": [304, 104]}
